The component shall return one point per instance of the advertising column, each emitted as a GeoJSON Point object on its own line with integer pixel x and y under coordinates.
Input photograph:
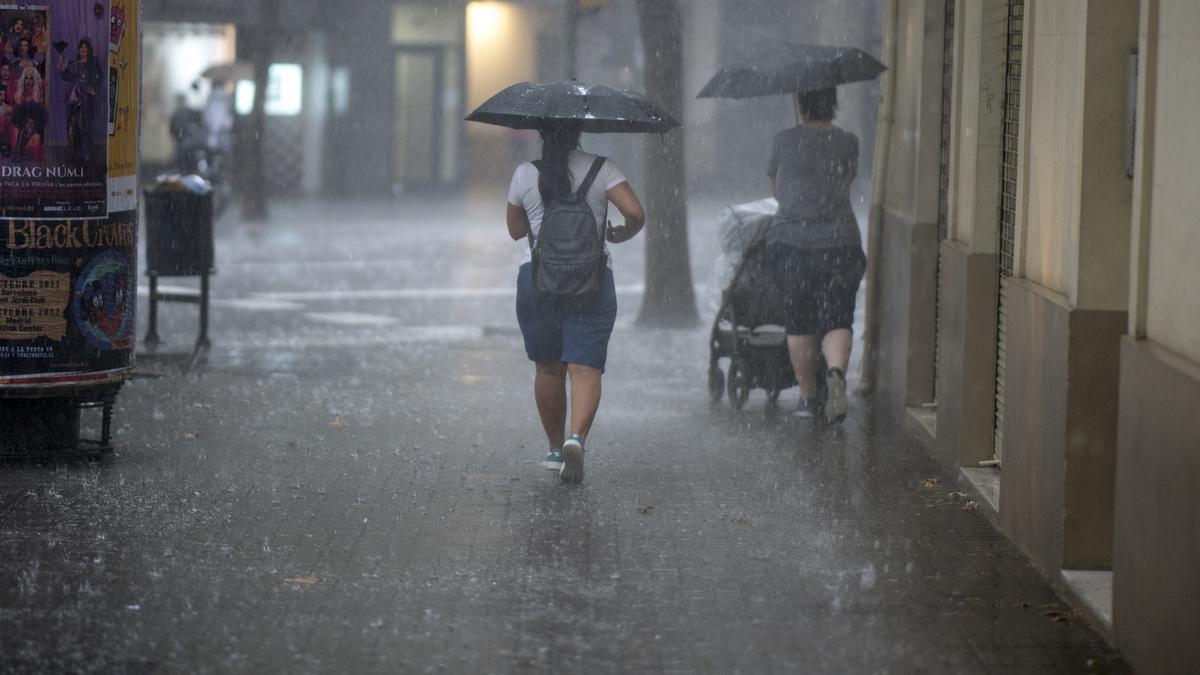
{"type": "Point", "coordinates": [69, 80]}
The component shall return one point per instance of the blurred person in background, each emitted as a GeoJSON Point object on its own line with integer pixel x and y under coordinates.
{"type": "Point", "coordinates": [188, 133]}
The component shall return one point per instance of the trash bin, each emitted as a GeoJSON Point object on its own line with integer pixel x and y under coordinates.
{"type": "Point", "coordinates": [179, 243]}
{"type": "Point", "coordinates": [179, 226]}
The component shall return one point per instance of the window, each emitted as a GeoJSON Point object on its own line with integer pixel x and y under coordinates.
{"type": "Point", "coordinates": [284, 91]}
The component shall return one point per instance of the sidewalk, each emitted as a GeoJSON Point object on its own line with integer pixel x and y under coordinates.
{"type": "Point", "coordinates": [336, 501]}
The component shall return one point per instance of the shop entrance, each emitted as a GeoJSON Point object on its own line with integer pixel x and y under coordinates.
{"type": "Point", "coordinates": [417, 105]}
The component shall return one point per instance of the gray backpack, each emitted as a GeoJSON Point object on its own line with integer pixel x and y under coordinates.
{"type": "Point", "coordinates": [568, 255]}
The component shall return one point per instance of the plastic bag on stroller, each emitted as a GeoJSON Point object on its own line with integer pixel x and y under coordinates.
{"type": "Point", "coordinates": [739, 225]}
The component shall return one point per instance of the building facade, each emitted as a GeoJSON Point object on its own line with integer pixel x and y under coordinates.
{"type": "Point", "coordinates": [377, 89]}
{"type": "Point", "coordinates": [1040, 325]}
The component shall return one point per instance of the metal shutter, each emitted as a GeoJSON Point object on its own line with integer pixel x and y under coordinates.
{"type": "Point", "coordinates": [1008, 198]}
{"type": "Point", "coordinates": [943, 177]}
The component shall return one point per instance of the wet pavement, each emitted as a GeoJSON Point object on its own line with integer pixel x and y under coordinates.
{"type": "Point", "coordinates": [351, 484]}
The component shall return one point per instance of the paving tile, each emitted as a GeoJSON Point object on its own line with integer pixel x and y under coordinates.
{"type": "Point", "coordinates": [419, 533]}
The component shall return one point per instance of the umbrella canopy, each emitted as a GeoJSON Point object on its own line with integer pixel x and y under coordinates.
{"type": "Point", "coordinates": [229, 72]}
{"type": "Point", "coordinates": [791, 68]}
{"type": "Point", "coordinates": [598, 109]}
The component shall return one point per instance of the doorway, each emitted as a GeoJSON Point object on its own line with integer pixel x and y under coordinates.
{"type": "Point", "coordinates": [419, 81]}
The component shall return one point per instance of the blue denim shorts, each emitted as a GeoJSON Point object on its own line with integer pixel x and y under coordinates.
{"type": "Point", "coordinates": [568, 329]}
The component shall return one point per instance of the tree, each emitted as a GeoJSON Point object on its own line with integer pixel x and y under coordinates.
{"type": "Point", "coordinates": [254, 187]}
{"type": "Point", "coordinates": [669, 299]}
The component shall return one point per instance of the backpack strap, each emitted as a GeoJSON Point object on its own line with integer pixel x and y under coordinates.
{"type": "Point", "coordinates": [590, 178]}
{"type": "Point", "coordinates": [580, 193]}
{"type": "Point", "coordinates": [537, 164]}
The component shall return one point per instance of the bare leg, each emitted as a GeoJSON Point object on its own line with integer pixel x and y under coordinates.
{"type": "Point", "coordinates": [836, 348]}
{"type": "Point", "coordinates": [550, 394]}
{"type": "Point", "coordinates": [585, 397]}
{"type": "Point", "coordinates": [803, 351]}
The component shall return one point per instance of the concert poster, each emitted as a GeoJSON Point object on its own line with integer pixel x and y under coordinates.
{"type": "Point", "coordinates": [54, 109]}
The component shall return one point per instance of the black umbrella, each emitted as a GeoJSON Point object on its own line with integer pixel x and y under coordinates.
{"type": "Point", "coordinates": [791, 68]}
{"type": "Point", "coordinates": [597, 109]}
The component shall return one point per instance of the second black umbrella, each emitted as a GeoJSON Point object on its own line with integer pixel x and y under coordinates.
{"type": "Point", "coordinates": [791, 68]}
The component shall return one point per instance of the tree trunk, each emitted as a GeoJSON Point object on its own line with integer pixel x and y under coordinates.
{"type": "Point", "coordinates": [572, 46]}
{"type": "Point", "coordinates": [669, 300]}
{"type": "Point", "coordinates": [254, 187]}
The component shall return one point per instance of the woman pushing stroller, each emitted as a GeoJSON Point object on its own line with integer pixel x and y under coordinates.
{"type": "Point", "coordinates": [814, 248]}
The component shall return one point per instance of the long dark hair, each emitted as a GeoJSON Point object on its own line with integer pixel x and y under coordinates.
{"type": "Point", "coordinates": [554, 176]}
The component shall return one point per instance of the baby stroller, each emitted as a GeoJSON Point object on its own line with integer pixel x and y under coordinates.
{"type": "Point", "coordinates": [747, 329]}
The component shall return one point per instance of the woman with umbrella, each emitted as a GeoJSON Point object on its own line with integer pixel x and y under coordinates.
{"type": "Point", "coordinates": [814, 248]}
{"type": "Point", "coordinates": [566, 335]}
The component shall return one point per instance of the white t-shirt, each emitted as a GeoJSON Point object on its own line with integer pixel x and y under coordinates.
{"type": "Point", "coordinates": [523, 191]}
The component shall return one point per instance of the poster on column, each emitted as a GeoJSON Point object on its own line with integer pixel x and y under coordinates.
{"type": "Point", "coordinates": [124, 71]}
{"type": "Point", "coordinates": [68, 285]}
{"type": "Point", "coordinates": [68, 295]}
{"type": "Point", "coordinates": [54, 113]}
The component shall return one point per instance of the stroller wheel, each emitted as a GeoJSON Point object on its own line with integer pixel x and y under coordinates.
{"type": "Point", "coordinates": [716, 383]}
{"type": "Point", "coordinates": [737, 384]}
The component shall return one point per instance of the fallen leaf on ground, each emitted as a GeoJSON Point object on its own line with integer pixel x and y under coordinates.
{"type": "Point", "coordinates": [307, 581]}
{"type": "Point", "coordinates": [1061, 617]}
{"type": "Point", "coordinates": [743, 520]}
{"type": "Point", "coordinates": [291, 444]}
{"type": "Point", "coordinates": [337, 423]}
{"type": "Point", "coordinates": [190, 436]}
{"type": "Point", "coordinates": [645, 509]}
{"type": "Point", "coordinates": [971, 506]}
{"type": "Point", "coordinates": [930, 483]}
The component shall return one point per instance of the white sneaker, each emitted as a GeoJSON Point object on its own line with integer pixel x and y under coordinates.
{"type": "Point", "coordinates": [572, 460]}
{"type": "Point", "coordinates": [553, 460]}
{"type": "Point", "coordinates": [806, 408]}
{"type": "Point", "coordinates": [835, 403]}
